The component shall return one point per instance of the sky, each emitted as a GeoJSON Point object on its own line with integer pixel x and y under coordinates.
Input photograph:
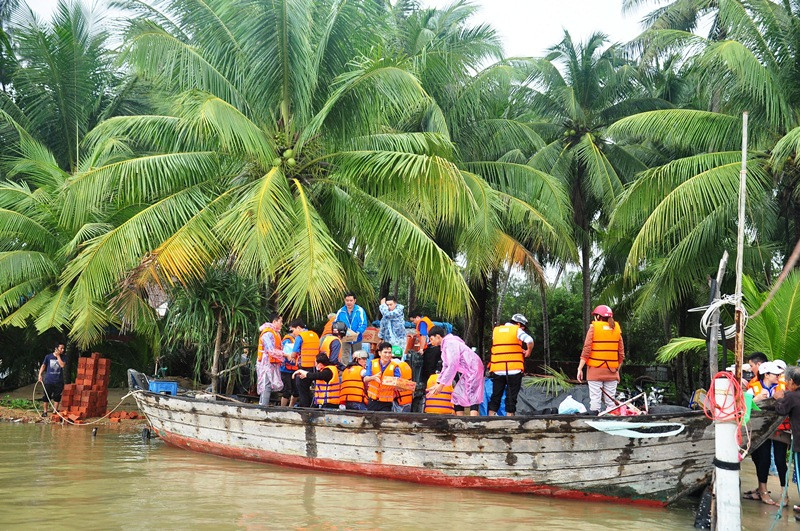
{"type": "Point", "coordinates": [526, 27]}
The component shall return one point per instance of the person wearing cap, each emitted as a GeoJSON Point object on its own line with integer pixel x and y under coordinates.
{"type": "Point", "coordinates": [458, 358]}
{"type": "Point", "coordinates": [353, 395]}
{"type": "Point", "coordinates": [511, 344]}
{"type": "Point", "coordinates": [603, 354]}
{"type": "Point", "coordinates": [764, 387]}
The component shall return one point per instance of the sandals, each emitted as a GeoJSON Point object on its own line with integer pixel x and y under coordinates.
{"type": "Point", "coordinates": [751, 495]}
{"type": "Point", "coordinates": [764, 497]}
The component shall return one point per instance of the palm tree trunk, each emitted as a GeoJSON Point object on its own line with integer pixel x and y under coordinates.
{"type": "Point", "coordinates": [545, 323]}
{"type": "Point", "coordinates": [501, 294]}
{"type": "Point", "coordinates": [384, 289]}
{"type": "Point", "coordinates": [586, 269]}
{"type": "Point", "coordinates": [217, 352]}
{"type": "Point", "coordinates": [412, 295]}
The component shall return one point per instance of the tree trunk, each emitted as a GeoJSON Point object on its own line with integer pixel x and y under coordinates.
{"type": "Point", "coordinates": [586, 268]}
{"type": "Point", "coordinates": [501, 295]}
{"type": "Point", "coordinates": [477, 322]}
{"type": "Point", "coordinates": [386, 284]}
{"type": "Point", "coordinates": [217, 352]}
{"type": "Point", "coordinates": [412, 295]}
{"type": "Point", "coordinates": [545, 323]}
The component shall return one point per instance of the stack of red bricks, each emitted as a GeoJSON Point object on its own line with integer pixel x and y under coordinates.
{"type": "Point", "coordinates": [118, 416]}
{"type": "Point", "coordinates": [88, 396]}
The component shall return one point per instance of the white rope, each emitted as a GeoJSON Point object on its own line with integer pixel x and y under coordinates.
{"type": "Point", "coordinates": [705, 320]}
{"type": "Point", "coordinates": [64, 419]}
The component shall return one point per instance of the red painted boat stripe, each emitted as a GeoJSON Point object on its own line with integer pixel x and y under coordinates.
{"type": "Point", "coordinates": [413, 474]}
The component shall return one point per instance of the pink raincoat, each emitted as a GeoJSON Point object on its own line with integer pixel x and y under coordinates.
{"type": "Point", "coordinates": [269, 374]}
{"type": "Point", "coordinates": [457, 357]}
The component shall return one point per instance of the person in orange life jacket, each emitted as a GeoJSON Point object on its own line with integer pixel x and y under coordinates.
{"type": "Point", "coordinates": [331, 344]}
{"type": "Point", "coordinates": [270, 358]}
{"type": "Point", "coordinates": [440, 403]}
{"type": "Point", "coordinates": [511, 344]}
{"type": "Point", "coordinates": [354, 316]}
{"type": "Point", "coordinates": [326, 376]}
{"type": "Point", "coordinates": [603, 354]}
{"type": "Point", "coordinates": [763, 388]}
{"type": "Point", "coordinates": [402, 397]}
{"type": "Point", "coordinates": [353, 394]}
{"type": "Point", "coordinates": [755, 360]}
{"type": "Point", "coordinates": [423, 324]}
{"type": "Point", "coordinates": [457, 357]}
{"type": "Point", "coordinates": [328, 325]}
{"type": "Point", "coordinates": [380, 396]}
{"type": "Point", "coordinates": [289, 395]}
{"type": "Point", "coordinates": [306, 344]}
{"type": "Point", "coordinates": [788, 403]}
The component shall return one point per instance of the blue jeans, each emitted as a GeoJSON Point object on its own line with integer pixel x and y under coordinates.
{"type": "Point", "coordinates": [358, 406]}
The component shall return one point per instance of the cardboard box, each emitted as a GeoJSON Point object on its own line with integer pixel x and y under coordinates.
{"type": "Point", "coordinates": [399, 383]}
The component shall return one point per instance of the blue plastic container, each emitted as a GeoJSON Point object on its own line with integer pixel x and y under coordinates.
{"type": "Point", "coordinates": [164, 387]}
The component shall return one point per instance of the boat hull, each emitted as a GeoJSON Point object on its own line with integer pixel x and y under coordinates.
{"type": "Point", "coordinates": [574, 457]}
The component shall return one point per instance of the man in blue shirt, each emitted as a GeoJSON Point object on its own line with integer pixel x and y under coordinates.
{"type": "Point", "coordinates": [51, 374]}
{"type": "Point", "coordinates": [355, 318]}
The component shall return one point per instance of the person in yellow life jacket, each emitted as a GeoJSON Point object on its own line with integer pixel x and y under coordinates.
{"type": "Point", "coordinates": [440, 403]}
{"type": "Point", "coordinates": [289, 395]}
{"type": "Point", "coordinates": [306, 346]}
{"type": "Point", "coordinates": [511, 344]}
{"type": "Point", "coordinates": [381, 396]}
{"type": "Point", "coordinates": [403, 397]}
{"type": "Point", "coordinates": [327, 385]}
{"type": "Point", "coordinates": [764, 387]}
{"type": "Point", "coordinates": [423, 324]}
{"type": "Point", "coordinates": [353, 394]}
{"type": "Point", "coordinates": [603, 354]}
{"type": "Point", "coordinates": [331, 344]}
{"type": "Point", "coordinates": [328, 325]}
{"type": "Point", "coordinates": [270, 357]}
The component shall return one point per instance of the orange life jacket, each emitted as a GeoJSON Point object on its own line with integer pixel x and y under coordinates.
{"type": "Point", "coordinates": [440, 403]}
{"type": "Point", "coordinates": [328, 392]}
{"type": "Point", "coordinates": [288, 364]}
{"type": "Point", "coordinates": [309, 349]}
{"type": "Point", "coordinates": [605, 345]}
{"type": "Point", "coordinates": [328, 328]}
{"type": "Point", "coordinates": [404, 396]}
{"type": "Point", "coordinates": [507, 353]}
{"type": "Point", "coordinates": [755, 385]}
{"type": "Point", "coordinates": [423, 343]}
{"type": "Point", "coordinates": [277, 344]}
{"type": "Point", "coordinates": [352, 389]}
{"type": "Point", "coordinates": [325, 345]}
{"type": "Point", "coordinates": [375, 389]}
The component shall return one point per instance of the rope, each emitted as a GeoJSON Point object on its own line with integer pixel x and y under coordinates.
{"type": "Point", "coordinates": [734, 402]}
{"type": "Point", "coordinates": [68, 421]}
{"type": "Point", "coordinates": [785, 493]}
{"type": "Point", "coordinates": [784, 273]}
{"type": "Point", "coordinates": [709, 310]}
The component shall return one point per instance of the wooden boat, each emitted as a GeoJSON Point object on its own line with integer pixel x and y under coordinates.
{"type": "Point", "coordinates": [650, 460]}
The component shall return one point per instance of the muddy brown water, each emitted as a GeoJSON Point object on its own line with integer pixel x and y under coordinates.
{"type": "Point", "coordinates": [61, 477]}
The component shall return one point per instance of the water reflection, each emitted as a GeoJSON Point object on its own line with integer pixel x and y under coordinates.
{"type": "Point", "coordinates": [60, 476]}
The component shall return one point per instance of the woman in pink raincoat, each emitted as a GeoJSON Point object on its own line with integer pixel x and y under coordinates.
{"type": "Point", "coordinates": [457, 357]}
{"type": "Point", "coordinates": [270, 357]}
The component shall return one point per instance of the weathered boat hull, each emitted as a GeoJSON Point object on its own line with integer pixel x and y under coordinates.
{"type": "Point", "coordinates": [562, 456]}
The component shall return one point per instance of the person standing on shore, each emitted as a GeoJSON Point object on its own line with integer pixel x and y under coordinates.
{"type": "Point", "coordinates": [354, 316]}
{"type": "Point", "coordinates": [603, 354]}
{"type": "Point", "coordinates": [51, 374]}
{"type": "Point", "coordinates": [457, 357]}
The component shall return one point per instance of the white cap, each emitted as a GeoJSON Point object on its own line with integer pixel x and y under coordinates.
{"type": "Point", "coordinates": [745, 368]}
{"type": "Point", "coordinates": [781, 364]}
{"type": "Point", "coordinates": [769, 368]}
{"type": "Point", "coordinates": [360, 354]}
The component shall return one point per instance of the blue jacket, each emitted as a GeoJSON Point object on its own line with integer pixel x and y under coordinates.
{"type": "Point", "coordinates": [355, 321]}
{"type": "Point", "coordinates": [393, 325]}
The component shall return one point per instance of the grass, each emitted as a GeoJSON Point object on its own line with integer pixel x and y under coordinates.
{"type": "Point", "coordinates": [17, 403]}
{"type": "Point", "coordinates": [552, 384]}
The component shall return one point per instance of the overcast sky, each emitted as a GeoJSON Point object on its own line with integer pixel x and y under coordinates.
{"type": "Point", "coordinates": [526, 27]}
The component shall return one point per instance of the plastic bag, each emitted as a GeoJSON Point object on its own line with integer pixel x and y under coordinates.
{"type": "Point", "coordinates": [570, 406]}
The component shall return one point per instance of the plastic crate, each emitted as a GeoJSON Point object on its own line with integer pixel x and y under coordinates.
{"type": "Point", "coordinates": [164, 387]}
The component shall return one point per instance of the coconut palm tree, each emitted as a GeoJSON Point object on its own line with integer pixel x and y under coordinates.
{"type": "Point", "coordinates": [584, 89]}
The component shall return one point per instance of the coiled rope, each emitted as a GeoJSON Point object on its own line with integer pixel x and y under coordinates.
{"type": "Point", "coordinates": [68, 421]}
{"type": "Point", "coordinates": [731, 409]}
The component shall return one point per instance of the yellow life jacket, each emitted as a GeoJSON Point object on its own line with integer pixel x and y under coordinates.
{"type": "Point", "coordinates": [605, 345]}
{"type": "Point", "coordinates": [440, 403]}
{"type": "Point", "coordinates": [375, 389]}
{"type": "Point", "coordinates": [507, 353]}
{"type": "Point", "coordinates": [404, 396]}
{"type": "Point", "coordinates": [328, 392]}
{"type": "Point", "coordinates": [352, 389]}
{"type": "Point", "coordinates": [309, 349]}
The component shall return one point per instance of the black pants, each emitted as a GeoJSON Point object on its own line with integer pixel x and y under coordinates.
{"type": "Point", "coordinates": [289, 386]}
{"type": "Point", "coordinates": [377, 405]}
{"type": "Point", "coordinates": [508, 383]}
{"type": "Point", "coordinates": [304, 391]}
{"type": "Point", "coordinates": [762, 458]}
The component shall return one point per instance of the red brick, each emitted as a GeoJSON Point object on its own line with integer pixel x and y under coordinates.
{"type": "Point", "coordinates": [115, 419]}
{"type": "Point", "coordinates": [96, 355]}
